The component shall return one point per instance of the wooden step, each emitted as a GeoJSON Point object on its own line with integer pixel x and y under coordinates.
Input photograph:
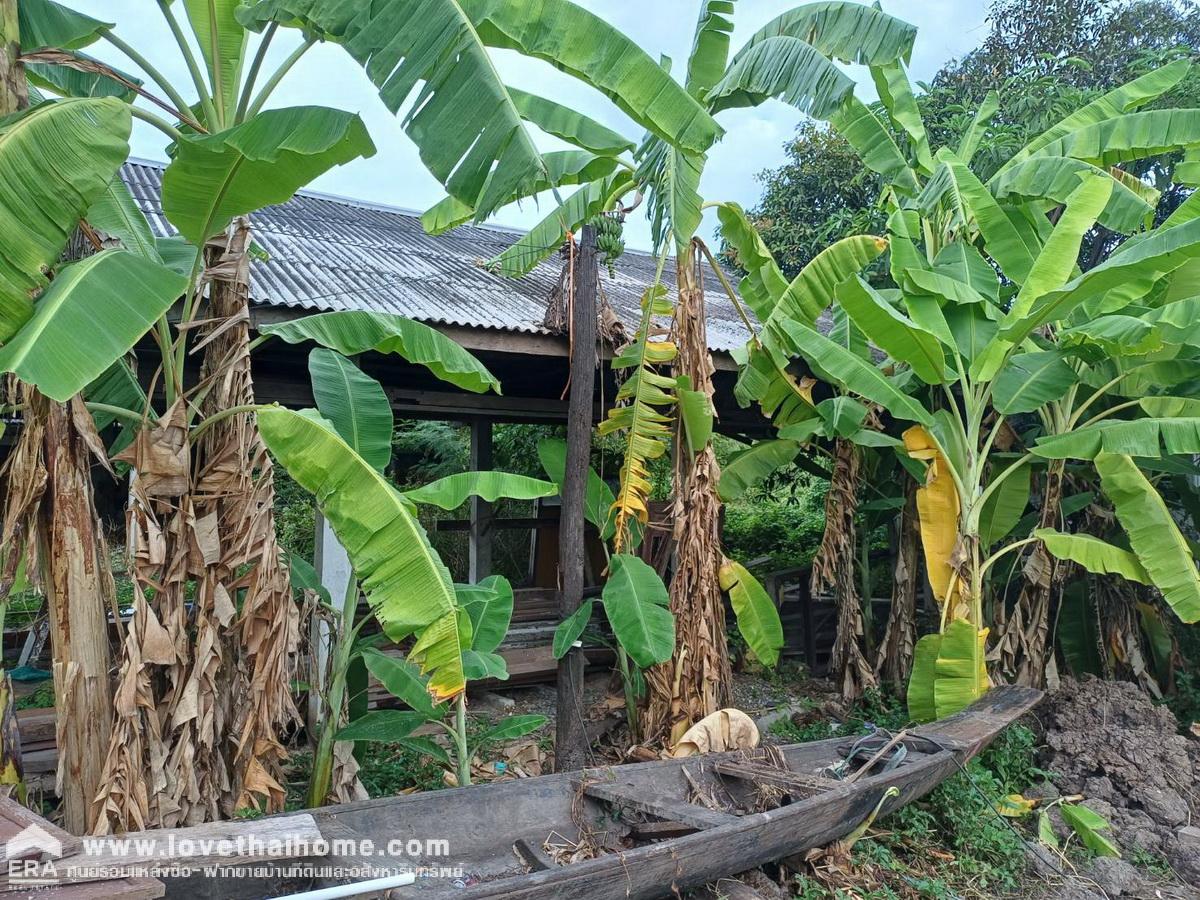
{"type": "Point", "coordinates": [669, 809]}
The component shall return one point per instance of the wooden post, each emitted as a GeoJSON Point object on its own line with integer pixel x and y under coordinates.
{"type": "Point", "coordinates": [480, 549]}
{"type": "Point", "coordinates": [334, 571]}
{"type": "Point", "coordinates": [570, 750]}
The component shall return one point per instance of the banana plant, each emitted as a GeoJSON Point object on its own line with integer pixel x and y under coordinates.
{"type": "Point", "coordinates": [636, 602]}
{"type": "Point", "coordinates": [339, 452]}
{"type": "Point", "coordinates": [791, 57]}
{"type": "Point", "coordinates": [969, 352]}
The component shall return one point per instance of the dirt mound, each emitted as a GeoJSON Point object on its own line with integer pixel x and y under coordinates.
{"type": "Point", "coordinates": [1108, 741]}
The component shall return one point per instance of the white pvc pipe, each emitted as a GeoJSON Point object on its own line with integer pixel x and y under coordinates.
{"type": "Point", "coordinates": [355, 889]}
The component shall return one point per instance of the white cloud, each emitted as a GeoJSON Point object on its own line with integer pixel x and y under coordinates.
{"type": "Point", "coordinates": [754, 139]}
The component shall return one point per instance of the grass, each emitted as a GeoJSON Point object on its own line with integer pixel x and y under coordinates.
{"type": "Point", "coordinates": [951, 841]}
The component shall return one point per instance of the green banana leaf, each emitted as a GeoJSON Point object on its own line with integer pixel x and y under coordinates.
{"type": "Point", "coordinates": [222, 41]}
{"type": "Point", "coordinates": [1004, 506]}
{"type": "Point", "coordinates": [116, 214]}
{"type": "Point", "coordinates": [1089, 825]}
{"type": "Point", "coordinates": [402, 680]}
{"type": "Point", "coordinates": [214, 178]}
{"type": "Point", "coordinates": [635, 602]}
{"type": "Point", "coordinates": [405, 582]}
{"type": "Point", "coordinates": [674, 203]}
{"type": "Point", "coordinates": [1123, 99]}
{"type": "Point", "coordinates": [570, 125]}
{"type": "Point", "coordinates": [44, 23]}
{"type": "Point", "coordinates": [453, 490]}
{"type": "Point", "coordinates": [710, 47]}
{"type": "Point", "coordinates": [1054, 178]}
{"type": "Point", "coordinates": [785, 67]}
{"type": "Point", "coordinates": [563, 169]}
{"type": "Point", "coordinates": [961, 671]}
{"type": "Point", "coordinates": [849, 31]}
{"type": "Point", "coordinates": [388, 725]}
{"type": "Point", "coordinates": [547, 236]}
{"type": "Point", "coordinates": [56, 160]}
{"type": "Point", "coordinates": [813, 290]}
{"type": "Point", "coordinates": [1155, 538]}
{"type": "Point", "coordinates": [968, 146]}
{"type": "Point", "coordinates": [489, 605]}
{"type": "Point", "coordinates": [351, 332]}
{"type": "Point", "coordinates": [599, 498]}
{"type": "Point", "coordinates": [757, 618]}
{"type": "Point", "coordinates": [749, 467]}
{"type": "Point", "coordinates": [355, 403]}
{"type": "Point", "coordinates": [1078, 630]}
{"type": "Point", "coordinates": [892, 331]}
{"type": "Point", "coordinates": [763, 283]}
{"type": "Point", "coordinates": [569, 630]}
{"type": "Point", "coordinates": [1136, 437]}
{"type": "Point", "coordinates": [696, 411]}
{"type": "Point", "coordinates": [1095, 555]}
{"type": "Point", "coordinates": [895, 92]}
{"type": "Point", "coordinates": [468, 129]}
{"type": "Point", "coordinates": [851, 372]}
{"type": "Point", "coordinates": [874, 144]}
{"type": "Point", "coordinates": [920, 697]}
{"type": "Point", "coordinates": [1031, 380]}
{"type": "Point", "coordinates": [91, 316]}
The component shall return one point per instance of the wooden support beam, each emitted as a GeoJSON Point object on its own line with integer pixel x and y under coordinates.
{"type": "Point", "coordinates": [570, 745]}
{"type": "Point", "coordinates": [638, 799]}
{"type": "Point", "coordinates": [479, 563]}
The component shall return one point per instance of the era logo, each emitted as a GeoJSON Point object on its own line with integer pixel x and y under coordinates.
{"type": "Point", "coordinates": [30, 854]}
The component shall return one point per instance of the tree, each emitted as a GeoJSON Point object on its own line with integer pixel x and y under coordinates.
{"type": "Point", "coordinates": [1044, 59]}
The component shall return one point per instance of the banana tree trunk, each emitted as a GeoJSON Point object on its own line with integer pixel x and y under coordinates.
{"type": "Point", "coordinates": [900, 635]}
{"type": "Point", "coordinates": [1024, 646]}
{"type": "Point", "coordinates": [14, 90]}
{"type": "Point", "coordinates": [77, 579]}
{"type": "Point", "coordinates": [213, 650]}
{"type": "Point", "coordinates": [697, 680]}
{"type": "Point", "coordinates": [833, 569]}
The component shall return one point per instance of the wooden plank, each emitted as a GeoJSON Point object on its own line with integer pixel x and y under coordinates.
{"type": "Point", "coordinates": [658, 831]}
{"type": "Point", "coordinates": [668, 809]}
{"type": "Point", "coordinates": [15, 818]}
{"type": "Point", "coordinates": [792, 782]}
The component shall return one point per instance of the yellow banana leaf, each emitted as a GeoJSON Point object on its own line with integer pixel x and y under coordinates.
{"type": "Point", "coordinates": [938, 510]}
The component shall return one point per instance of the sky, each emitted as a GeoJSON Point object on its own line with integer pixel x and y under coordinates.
{"type": "Point", "coordinates": [326, 76]}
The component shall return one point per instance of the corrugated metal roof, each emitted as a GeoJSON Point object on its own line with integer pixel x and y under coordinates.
{"type": "Point", "coordinates": [332, 253]}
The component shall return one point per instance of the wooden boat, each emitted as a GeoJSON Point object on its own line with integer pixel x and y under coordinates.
{"type": "Point", "coordinates": [497, 832]}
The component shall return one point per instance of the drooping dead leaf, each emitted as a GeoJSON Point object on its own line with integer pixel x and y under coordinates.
{"type": "Point", "coordinates": [160, 455]}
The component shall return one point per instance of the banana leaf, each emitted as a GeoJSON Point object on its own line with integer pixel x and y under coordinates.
{"type": "Point", "coordinates": [216, 177]}
{"type": "Point", "coordinates": [355, 403]}
{"type": "Point", "coordinates": [56, 160]}
{"type": "Point", "coordinates": [757, 618]}
{"type": "Point", "coordinates": [406, 584]}
{"type": "Point", "coordinates": [453, 490]}
{"type": "Point", "coordinates": [1155, 538]}
{"type": "Point", "coordinates": [636, 604]}
{"type": "Point", "coordinates": [91, 316]}
{"type": "Point", "coordinates": [351, 332]}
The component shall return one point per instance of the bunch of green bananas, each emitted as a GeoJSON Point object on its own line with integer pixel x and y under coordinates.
{"type": "Point", "coordinates": [609, 238]}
